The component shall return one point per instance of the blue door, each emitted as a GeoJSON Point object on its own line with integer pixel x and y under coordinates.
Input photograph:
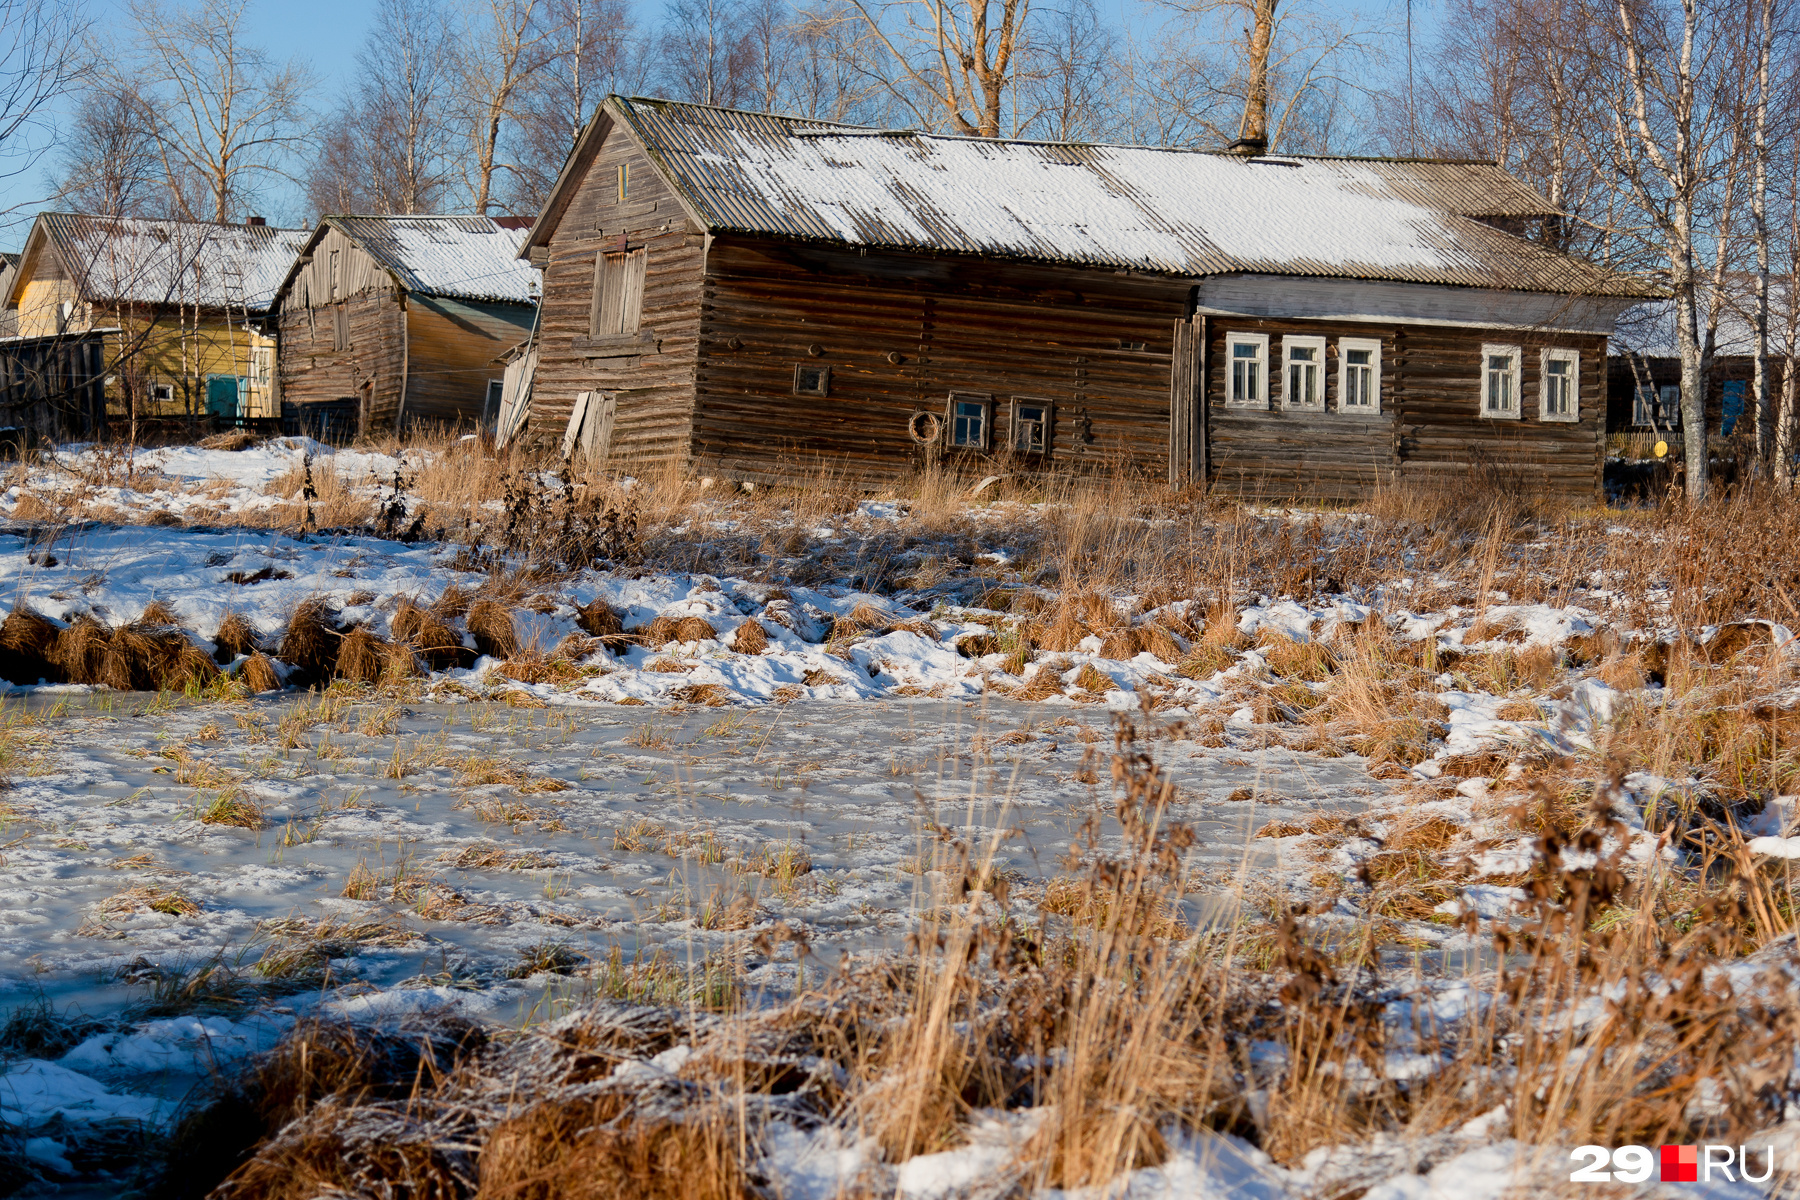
{"type": "Point", "coordinates": [222, 397]}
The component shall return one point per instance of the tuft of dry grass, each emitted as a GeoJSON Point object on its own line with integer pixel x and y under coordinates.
{"type": "Point", "coordinates": [27, 647]}
{"type": "Point", "coordinates": [310, 644]}
{"type": "Point", "coordinates": [491, 625]}
{"type": "Point", "coordinates": [750, 637]}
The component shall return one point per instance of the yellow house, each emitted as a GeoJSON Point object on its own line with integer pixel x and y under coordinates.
{"type": "Point", "coordinates": [183, 307]}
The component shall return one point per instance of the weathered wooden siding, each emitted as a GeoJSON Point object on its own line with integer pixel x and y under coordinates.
{"type": "Point", "coordinates": [1329, 455]}
{"type": "Point", "coordinates": [452, 345]}
{"type": "Point", "coordinates": [1442, 437]}
{"type": "Point", "coordinates": [900, 333]}
{"type": "Point", "coordinates": [1429, 427]}
{"type": "Point", "coordinates": [357, 272]}
{"type": "Point", "coordinates": [369, 371]}
{"type": "Point", "coordinates": [652, 374]}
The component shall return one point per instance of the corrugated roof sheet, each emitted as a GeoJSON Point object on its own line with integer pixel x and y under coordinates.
{"type": "Point", "coordinates": [465, 258]}
{"type": "Point", "coordinates": [1169, 211]}
{"type": "Point", "coordinates": [143, 260]}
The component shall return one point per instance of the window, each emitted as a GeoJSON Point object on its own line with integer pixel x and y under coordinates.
{"type": "Point", "coordinates": [1669, 406]}
{"type": "Point", "coordinates": [1030, 425]}
{"type": "Point", "coordinates": [340, 327]}
{"type": "Point", "coordinates": [1248, 354]}
{"type": "Point", "coordinates": [969, 420]}
{"type": "Point", "coordinates": [1559, 389]}
{"type": "Point", "coordinates": [1305, 381]}
{"type": "Point", "coordinates": [1733, 405]}
{"type": "Point", "coordinates": [618, 293]}
{"type": "Point", "coordinates": [162, 393]}
{"type": "Point", "coordinates": [624, 182]}
{"type": "Point", "coordinates": [336, 277]}
{"type": "Point", "coordinates": [490, 406]}
{"type": "Point", "coordinates": [262, 365]}
{"type": "Point", "coordinates": [1359, 375]}
{"type": "Point", "coordinates": [1500, 381]}
{"type": "Point", "coordinates": [811, 380]}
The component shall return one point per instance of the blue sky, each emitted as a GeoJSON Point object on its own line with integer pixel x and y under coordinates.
{"type": "Point", "coordinates": [327, 34]}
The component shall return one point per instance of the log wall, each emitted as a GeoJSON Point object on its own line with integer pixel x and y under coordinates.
{"type": "Point", "coordinates": [651, 373]}
{"type": "Point", "coordinates": [1429, 428]}
{"type": "Point", "coordinates": [899, 333]}
{"type": "Point", "coordinates": [371, 370]}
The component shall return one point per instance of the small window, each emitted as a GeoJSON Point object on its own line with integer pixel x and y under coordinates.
{"type": "Point", "coordinates": [1500, 381]}
{"type": "Point", "coordinates": [1031, 423]}
{"type": "Point", "coordinates": [969, 420]}
{"type": "Point", "coordinates": [812, 380]}
{"type": "Point", "coordinates": [1359, 375]}
{"type": "Point", "coordinates": [336, 277]}
{"type": "Point", "coordinates": [1249, 359]}
{"type": "Point", "coordinates": [624, 182]}
{"type": "Point", "coordinates": [1733, 405]}
{"type": "Point", "coordinates": [1668, 406]}
{"type": "Point", "coordinates": [1559, 389]}
{"type": "Point", "coordinates": [162, 393]}
{"type": "Point", "coordinates": [1304, 385]}
{"type": "Point", "coordinates": [618, 293]}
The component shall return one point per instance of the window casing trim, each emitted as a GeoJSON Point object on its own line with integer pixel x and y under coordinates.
{"type": "Point", "coordinates": [1500, 386]}
{"type": "Point", "coordinates": [1252, 370]}
{"type": "Point", "coordinates": [1345, 345]}
{"type": "Point", "coordinates": [1303, 341]}
{"type": "Point", "coordinates": [1546, 384]}
{"type": "Point", "coordinates": [969, 429]}
{"type": "Point", "coordinates": [1017, 426]}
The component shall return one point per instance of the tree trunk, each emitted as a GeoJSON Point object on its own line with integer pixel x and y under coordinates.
{"type": "Point", "coordinates": [1784, 424]}
{"type": "Point", "coordinates": [1253, 132]}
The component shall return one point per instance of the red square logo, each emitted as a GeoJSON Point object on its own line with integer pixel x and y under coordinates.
{"type": "Point", "coordinates": [1681, 1164]}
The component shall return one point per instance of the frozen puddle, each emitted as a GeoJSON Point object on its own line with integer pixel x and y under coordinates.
{"type": "Point", "coordinates": [453, 847]}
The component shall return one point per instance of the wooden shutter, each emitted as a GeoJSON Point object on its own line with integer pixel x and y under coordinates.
{"type": "Point", "coordinates": [577, 415]}
{"type": "Point", "coordinates": [1187, 431]}
{"type": "Point", "coordinates": [618, 294]}
{"type": "Point", "coordinates": [596, 441]}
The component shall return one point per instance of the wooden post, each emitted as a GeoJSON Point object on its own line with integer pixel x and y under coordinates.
{"type": "Point", "coordinates": [1187, 437]}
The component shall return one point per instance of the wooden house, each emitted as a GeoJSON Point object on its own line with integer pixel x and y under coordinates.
{"type": "Point", "coordinates": [9, 270]}
{"type": "Point", "coordinates": [181, 309]}
{"type": "Point", "coordinates": [398, 322]}
{"type": "Point", "coordinates": [755, 295]}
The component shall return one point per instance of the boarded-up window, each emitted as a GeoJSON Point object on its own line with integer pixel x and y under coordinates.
{"type": "Point", "coordinates": [618, 293]}
{"type": "Point", "coordinates": [340, 327]}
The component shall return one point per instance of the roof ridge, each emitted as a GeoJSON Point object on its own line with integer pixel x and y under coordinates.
{"type": "Point", "coordinates": [1272, 156]}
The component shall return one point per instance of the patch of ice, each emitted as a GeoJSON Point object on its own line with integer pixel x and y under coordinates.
{"type": "Point", "coordinates": [33, 1091]}
{"type": "Point", "coordinates": [1776, 847]}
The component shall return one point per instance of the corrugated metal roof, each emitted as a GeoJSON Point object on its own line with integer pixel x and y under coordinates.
{"type": "Point", "coordinates": [1168, 211]}
{"type": "Point", "coordinates": [465, 258]}
{"type": "Point", "coordinates": [143, 260]}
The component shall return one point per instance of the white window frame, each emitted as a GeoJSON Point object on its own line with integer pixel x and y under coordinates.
{"type": "Point", "coordinates": [1488, 350]}
{"type": "Point", "coordinates": [1306, 341]}
{"type": "Point", "coordinates": [1573, 358]}
{"type": "Point", "coordinates": [156, 390]}
{"type": "Point", "coordinates": [1373, 346]}
{"type": "Point", "coordinates": [1261, 342]}
{"type": "Point", "coordinates": [1668, 397]}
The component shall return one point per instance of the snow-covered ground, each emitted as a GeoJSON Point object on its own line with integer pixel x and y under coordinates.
{"type": "Point", "coordinates": [504, 847]}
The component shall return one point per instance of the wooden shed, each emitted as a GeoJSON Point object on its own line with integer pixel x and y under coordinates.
{"type": "Point", "coordinates": [398, 322]}
{"type": "Point", "coordinates": [757, 295]}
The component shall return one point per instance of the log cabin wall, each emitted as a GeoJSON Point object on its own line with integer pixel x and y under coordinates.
{"type": "Point", "coordinates": [651, 372]}
{"type": "Point", "coordinates": [1430, 428]}
{"type": "Point", "coordinates": [370, 364]}
{"type": "Point", "coordinates": [1271, 450]}
{"type": "Point", "coordinates": [451, 352]}
{"type": "Point", "coordinates": [899, 333]}
{"type": "Point", "coordinates": [1443, 438]}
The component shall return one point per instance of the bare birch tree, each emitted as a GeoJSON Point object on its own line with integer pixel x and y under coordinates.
{"type": "Point", "coordinates": [108, 157]}
{"type": "Point", "coordinates": [504, 45]}
{"type": "Point", "coordinates": [707, 54]}
{"type": "Point", "coordinates": [43, 57]}
{"type": "Point", "coordinates": [597, 51]}
{"type": "Point", "coordinates": [391, 140]}
{"type": "Point", "coordinates": [954, 61]}
{"type": "Point", "coordinates": [229, 115]}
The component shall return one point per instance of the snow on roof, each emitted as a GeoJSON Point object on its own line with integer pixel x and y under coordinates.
{"type": "Point", "coordinates": [145, 260]}
{"type": "Point", "coordinates": [1170, 211]}
{"type": "Point", "coordinates": [466, 258]}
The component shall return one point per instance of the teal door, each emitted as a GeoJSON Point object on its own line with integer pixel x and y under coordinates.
{"type": "Point", "coordinates": [222, 397]}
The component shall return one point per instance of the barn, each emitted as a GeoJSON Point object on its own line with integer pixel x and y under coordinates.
{"type": "Point", "coordinates": [397, 323]}
{"type": "Point", "coordinates": [756, 296]}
